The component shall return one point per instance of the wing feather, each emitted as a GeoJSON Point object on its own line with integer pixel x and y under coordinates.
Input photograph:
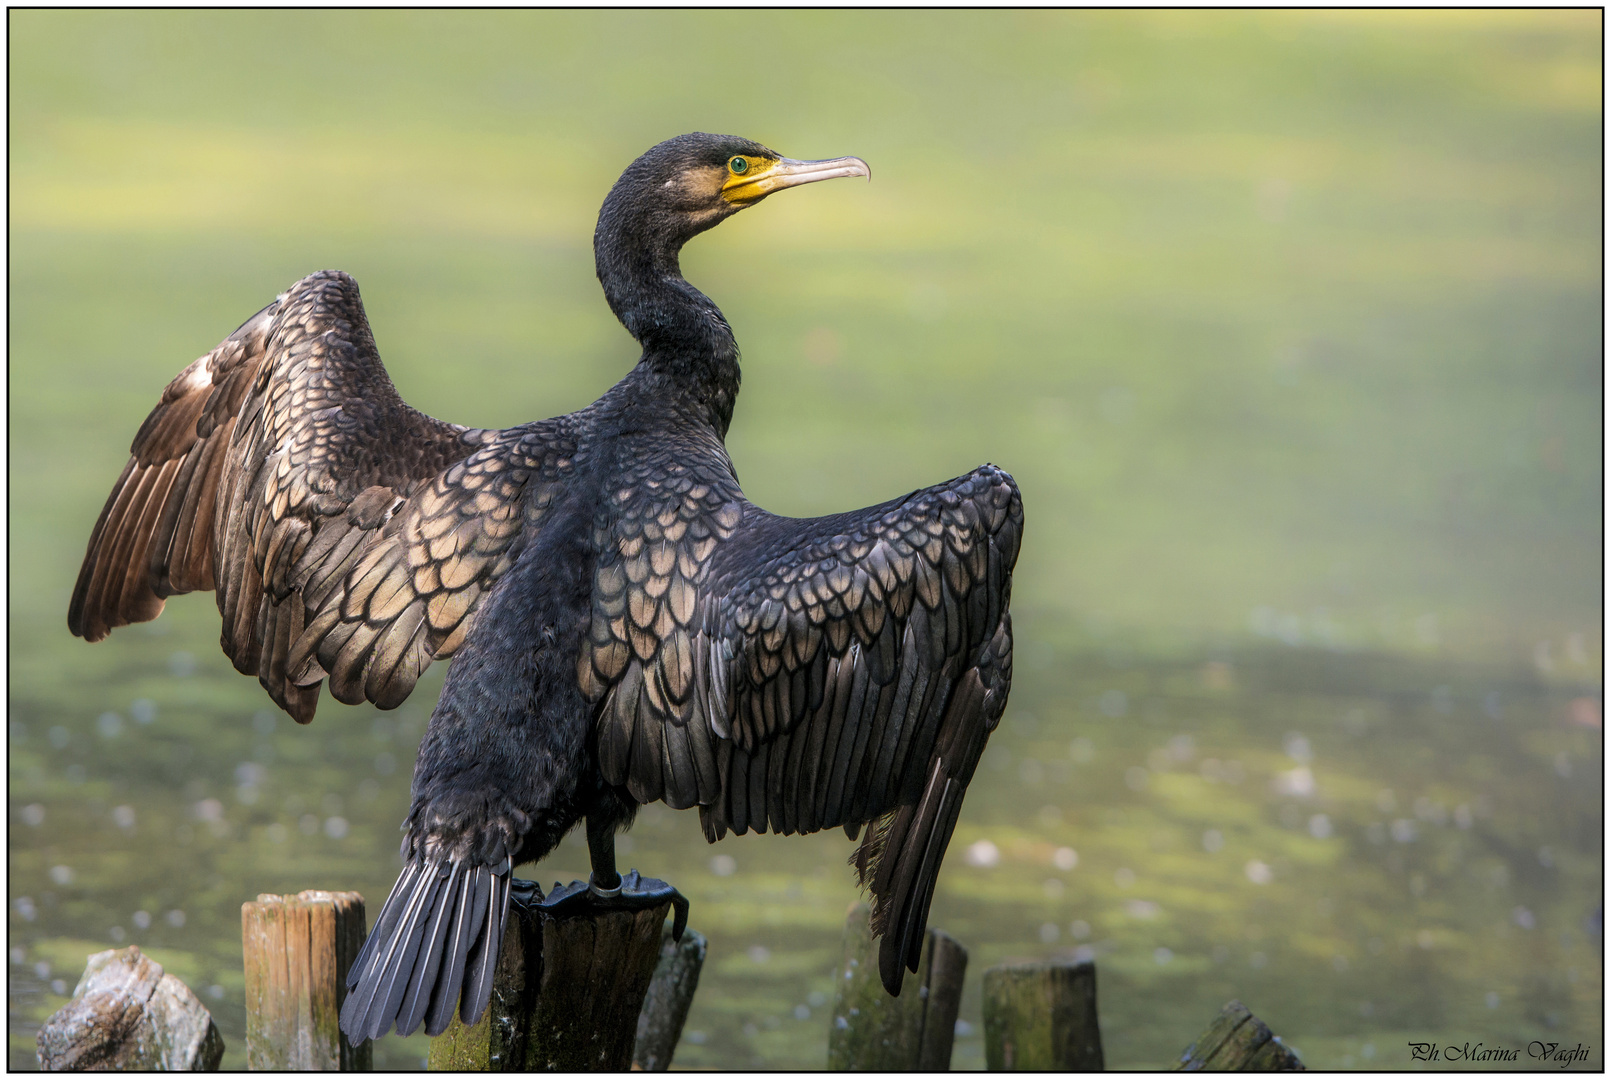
{"type": "Point", "coordinates": [283, 470]}
{"type": "Point", "coordinates": [776, 805]}
{"type": "Point", "coordinates": [828, 666]}
{"type": "Point", "coordinates": [398, 658]}
{"type": "Point", "coordinates": [682, 784]}
{"type": "Point", "coordinates": [852, 736]}
{"type": "Point", "coordinates": [647, 771]}
{"type": "Point", "coordinates": [129, 501]}
{"type": "Point", "coordinates": [735, 792]}
{"type": "Point", "coordinates": [760, 758]}
{"type": "Point", "coordinates": [880, 756]}
{"type": "Point", "coordinates": [618, 720]}
{"type": "Point", "coordinates": [346, 666]}
{"type": "Point", "coordinates": [840, 678]}
{"type": "Point", "coordinates": [796, 775]}
{"type": "Point", "coordinates": [135, 595]}
{"type": "Point", "coordinates": [869, 726]}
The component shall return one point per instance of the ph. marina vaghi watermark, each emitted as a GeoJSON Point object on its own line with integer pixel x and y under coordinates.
{"type": "Point", "coordinates": [1555, 1053]}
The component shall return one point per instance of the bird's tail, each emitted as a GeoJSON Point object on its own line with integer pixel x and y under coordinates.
{"type": "Point", "coordinates": [440, 931]}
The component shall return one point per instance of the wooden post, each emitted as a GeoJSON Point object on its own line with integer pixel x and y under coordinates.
{"type": "Point", "coordinates": [665, 1006]}
{"type": "Point", "coordinates": [566, 995]}
{"type": "Point", "coordinates": [1042, 1017]}
{"type": "Point", "coordinates": [940, 974]}
{"type": "Point", "coordinates": [871, 1031]}
{"type": "Point", "coordinates": [596, 971]}
{"type": "Point", "coordinates": [1238, 1041]}
{"type": "Point", "coordinates": [297, 952]}
{"type": "Point", "coordinates": [497, 1042]}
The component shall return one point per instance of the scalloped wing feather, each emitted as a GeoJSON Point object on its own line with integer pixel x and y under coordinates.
{"type": "Point", "coordinates": [346, 534]}
{"type": "Point", "coordinates": [796, 675]}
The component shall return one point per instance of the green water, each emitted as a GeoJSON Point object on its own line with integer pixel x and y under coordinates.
{"type": "Point", "coordinates": [1287, 325]}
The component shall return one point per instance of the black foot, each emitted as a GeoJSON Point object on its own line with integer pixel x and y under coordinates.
{"type": "Point", "coordinates": [525, 893]}
{"type": "Point", "coordinates": [634, 893]}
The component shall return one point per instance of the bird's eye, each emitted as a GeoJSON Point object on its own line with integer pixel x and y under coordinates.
{"type": "Point", "coordinates": [739, 166]}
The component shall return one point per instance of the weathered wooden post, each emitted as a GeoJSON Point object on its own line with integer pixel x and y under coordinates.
{"type": "Point", "coordinates": [665, 1006]}
{"type": "Point", "coordinates": [1238, 1041]}
{"type": "Point", "coordinates": [596, 971]}
{"type": "Point", "coordinates": [566, 995]}
{"type": "Point", "coordinates": [939, 981]}
{"type": "Point", "coordinates": [297, 952]}
{"type": "Point", "coordinates": [871, 1031]}
{"type": "Point", "coordinates": [1042, 1017]}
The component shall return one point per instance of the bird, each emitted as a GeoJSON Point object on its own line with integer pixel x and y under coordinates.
{"type": "Point", "coordinates": [624, 627]}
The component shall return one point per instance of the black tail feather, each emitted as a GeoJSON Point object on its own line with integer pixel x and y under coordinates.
{"type": "Point", "coordinates": [478, 905]}
{"type": "Point", "coordinates": [389, 963]}
{"type": "Point", "coordinates": [454, 951]}
{"type": "Point", "coordinates": [384, 924]}
{"type": "Point", "coordinates": [419, 989]}
{"type": "Point", "coordinates": [356, 1011]}
{"type": "Point", "coordinates": [478, 983]}
{"type": "Point", "coordinates": [413, 967]}
{"type": "Point", "coordinates": [403, 950]}
{"type": "Point", "coordinates": [479, 893]}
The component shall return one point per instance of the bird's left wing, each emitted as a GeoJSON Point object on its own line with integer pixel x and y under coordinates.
{"type": "Point", "coordinates": [803, 674]}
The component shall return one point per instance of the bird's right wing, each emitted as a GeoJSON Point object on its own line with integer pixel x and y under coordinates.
{"type": "Point", "coordinates": [864, 659]}
{"type": "Point", "coordinates": [346, 533]}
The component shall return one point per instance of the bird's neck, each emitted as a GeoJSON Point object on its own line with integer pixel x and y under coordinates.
{"type": "Point", "coordinates": [688, 348]}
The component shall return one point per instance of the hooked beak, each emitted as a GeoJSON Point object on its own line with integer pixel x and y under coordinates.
{"type": "Point", "coordinates": [785, 173]}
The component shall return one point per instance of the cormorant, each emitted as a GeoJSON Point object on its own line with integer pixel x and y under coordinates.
{"type": "Point", "coordinates": [625, 626]}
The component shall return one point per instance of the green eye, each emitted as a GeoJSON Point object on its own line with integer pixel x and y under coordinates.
{"type": "Point", "coordinates": [739, 166]}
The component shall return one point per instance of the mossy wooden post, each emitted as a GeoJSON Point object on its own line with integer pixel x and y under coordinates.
{"type": "Point", "coordinates": [497, 1042]}
{"type": "Point", "coordinates": [1040, 1017]}
{"type": "Point", "coordinates": [871, 1031]}
{"type": "Point", "coordinates": [665, 1006]}
{"type": "Point", "coordinates": [1238, 1041]}
{"type": "Point", "coordinates": [566, 995]}
{"type": "Point", "coordinates": [297, 950]}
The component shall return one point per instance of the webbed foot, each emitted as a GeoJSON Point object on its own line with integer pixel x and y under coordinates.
{"type": "Point", "coordinates": [633, 892]}
{"type": "Point", "coordinates": [525, 893]}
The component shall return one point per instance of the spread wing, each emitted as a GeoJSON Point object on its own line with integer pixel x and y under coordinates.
{"type": "Point", "coordinates": [803, 674]}
{"type": "Point", "coordinates": [346, 534]}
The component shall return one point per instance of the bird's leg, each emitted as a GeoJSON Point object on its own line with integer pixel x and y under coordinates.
{"type": "Point", "coordinates": [604, 882]}
{"type": "Point", "coordinates": [607, 890]}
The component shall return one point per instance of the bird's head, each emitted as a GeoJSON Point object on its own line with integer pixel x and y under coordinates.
{"type": "Point", "coordinates": [685, 185]}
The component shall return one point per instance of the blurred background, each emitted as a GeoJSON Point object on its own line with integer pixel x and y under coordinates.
{"type": "Point", "coordinates": [1287, 324]}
